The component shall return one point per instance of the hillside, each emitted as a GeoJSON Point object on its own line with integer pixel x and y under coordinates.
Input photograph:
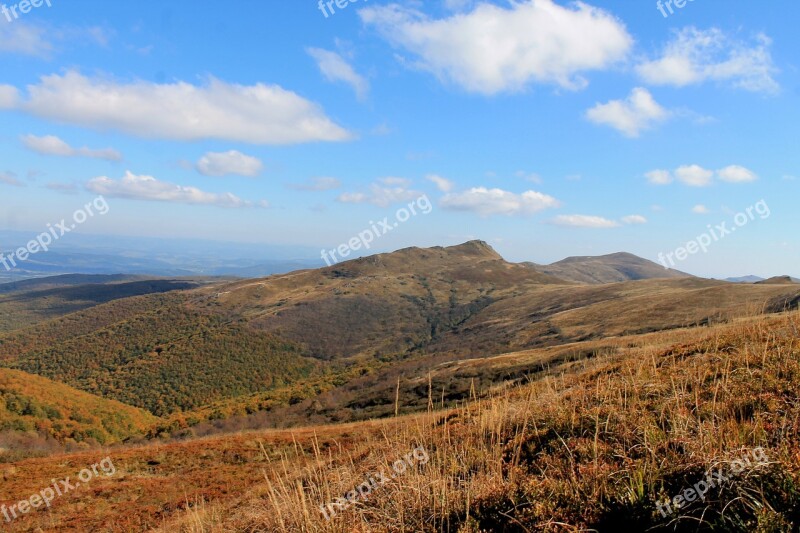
{"type": "Point", "coordinates": [284, 340]}
{"type": "Point", "coordinates": [29, 302]}
{"type": "Point", "coordinates": [595, 445]}
{"type": "Point", "coordinates": [66, 280]}
{"type": "Point", "coordinates": [611, 268]}
{"type": "Point", "coordinates": [34, 409]}
{"type": "Point", "coordinates": [778, 280]}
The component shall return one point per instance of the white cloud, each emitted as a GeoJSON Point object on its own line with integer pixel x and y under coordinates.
{"type": "Point", "coordinates": [219, 164]}
{"type": "Point", "coordinates": [318, 184]}
{"type": "Point", "coordinates": [697, 176]}
{"type": "Point", "coordinates": [694, 175]}
{"type": "Point", "coordinates": [257, 114]}
{"type": "Point", "coordinates": [8, 178]}
{"type": "Point", "coordinates": [486, 202]}
{"type": "Point", "coordinates": [353, 198]}
{"type": "Point", "coordinates": [700, 209]}
{"type": "Point", "coordinates": [630, 116]}
{"type": "Point", "coordinates": [737, 174]}
{"type": "Point", "coordinates": [695, 56]}
{"type": "Point", "coordinates": [22, 38]}
{"type": "Point", "coordinates": [492, 49]}
{"type": "Point", "coordinates": [135, 187]}
{"type": "Point", "coordinates": [9, 97]}
{"type": "Point", "coordinates": [383, 193]}
{"type": "Point", "coordinates": [659, 177]}
{"type": "Point", "coordinates": [584, 221]}
{"type": "Point", "coordinates": [335, 68]}
{"type": "Point", "coordinates": [52, 145]}
{"type": "Point", "coordinates": [443, 184]}
{"type": "Point", "coordinates": [634, 219]}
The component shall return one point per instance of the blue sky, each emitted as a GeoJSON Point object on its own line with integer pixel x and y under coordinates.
{"type": "Point", "coordinates": [544, 127]}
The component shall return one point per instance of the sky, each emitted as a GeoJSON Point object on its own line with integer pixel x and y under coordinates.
{"type": "Point", "coordinates": [546, 128]}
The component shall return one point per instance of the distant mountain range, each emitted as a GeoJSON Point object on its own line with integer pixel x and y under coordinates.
{"type": "Point", "coordinates": [757, 279]}
{"type": "Point", "coordinates": [89, 254]}
{"type": "Point", "coordinates": [207, 347]}
{"type": "Point", "coordinates": [745, 279]}
{"type": "Point", "coordinates": [148, 257]}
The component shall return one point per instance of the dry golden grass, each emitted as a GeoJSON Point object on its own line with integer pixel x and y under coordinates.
{"type": "Point", "coordinates": [590, 449]}
{"type": "Point", "coordinates": [591, 444]}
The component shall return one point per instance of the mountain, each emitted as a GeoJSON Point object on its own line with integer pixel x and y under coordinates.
{"type": "Point", "coordinates": [611, 268]}
{"type": "Point", "coordinates": [289, 337]}
{"type": "Point", "coordinates": [778, 280]}
{"type": "Point", "coordinates": [745, 279]}
{"type": "Point", "coordinates": [28, 302]}
{"type": "Point", "coordinates": [66, 280]}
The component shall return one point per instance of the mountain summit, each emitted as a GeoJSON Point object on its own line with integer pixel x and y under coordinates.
{"type": "Point", "coordinates": [612, 268]}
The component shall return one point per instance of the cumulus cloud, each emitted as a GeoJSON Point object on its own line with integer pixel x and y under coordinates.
{"type": "Point", "coordinates": [737, 174]}
{"type": "Point", "coordinates": [700, 209]}
{"type": "Point", "coordinates": [383, 193]}
{"type": "Point", "coordinates": [631, 116]}
{"type": "Point", "coordinates": [695, 56]}
{"type": "Point", "coordinates": [694, 175]}
{"type": "Point", "coordinates": [336, 69]}
{"type": "Point", "coordinates": [493, 49]}
{"type": "Point", "coordinates": [659, 177]}
{"type": "Point", "coordinates": [486, 202]}
{"type": "Point", "coordinates": [323, 183]}
{"type": "Point", "coordinates": [443, 184]}
{"type": "Point", "coordinates": [9, 97]}
{"type": "Point", "coordinates": [256, 114]}
{"type": "Point", "coordinates": [219, 164]}
{"type": "Point", "coordinates": [634, 219]}
{"type": "Point", "coordinates": [584, 221]}
{"type": "Point", "coordinates": [135, 187]}
{"type": "Point", "coordinates": [697, 176]}
{"type": "Point", "coordinates": [52, 145]}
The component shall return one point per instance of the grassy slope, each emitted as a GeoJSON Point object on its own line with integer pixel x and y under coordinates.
{"type": "Point", "coordinates": [592, 449]}
{"type": "Point", "coordinates": [30, 403]}
{"type": "Point", "coordinates": [593, 445]}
